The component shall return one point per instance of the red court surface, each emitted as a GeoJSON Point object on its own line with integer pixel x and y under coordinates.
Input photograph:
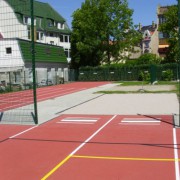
{"type": "Point", "coordinates": [75, 147]}
{"type": "Point", "coordinates": [22, 98]}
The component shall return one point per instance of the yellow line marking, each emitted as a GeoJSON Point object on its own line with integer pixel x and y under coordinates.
{"type": "Point", "coordinates": [125, 158]}
{"type": "Point", "coordinates": [56, 167]}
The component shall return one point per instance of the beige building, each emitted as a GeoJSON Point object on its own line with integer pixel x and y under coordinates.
{"type": "Point", "coordinates": [149, 42]}
{"type": "Point", "coordinates": [163, 38]}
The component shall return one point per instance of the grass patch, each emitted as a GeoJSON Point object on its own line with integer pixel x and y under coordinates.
{"type": "Point", "coordinates": [138, 83]}
{"type": "Point", "coordinates": [135, 92]}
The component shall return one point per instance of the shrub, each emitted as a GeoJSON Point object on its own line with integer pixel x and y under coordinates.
{"type": "Point", "coordinates": [144, 76]}
{"type": "Point", "coordinates": [167, 75]}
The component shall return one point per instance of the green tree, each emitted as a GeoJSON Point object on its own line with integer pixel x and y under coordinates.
{"type": "Point", "coordinates": [148, 58]}
{"type": "Point", "coordinates": [170, 27]}
{"type": "Point", "coordinates": [101, 29]}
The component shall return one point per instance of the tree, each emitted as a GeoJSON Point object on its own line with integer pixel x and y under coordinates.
{"type": "Point", "coordinates": [101, 29]}
{"type": "Point", "coordinates": [148, 58]}
{"type": "Point", "coordinates": [170, 27]}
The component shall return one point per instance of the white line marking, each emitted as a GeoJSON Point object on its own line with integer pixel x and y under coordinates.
{"type": "Point", "coordinates": [91, 118]}
{"type": "Point", "coordinates": [141, 121]}
{"type": "Point", "coordinates": [87, 140]}
{"type": "Point", "coordinates": [78, 120]}
{"type": "Point", "coordinates": [72, 123]}
{"type": "Point", "coordinates": [176, 154]}
{"type": "Point", "coordinates": [23, 132]}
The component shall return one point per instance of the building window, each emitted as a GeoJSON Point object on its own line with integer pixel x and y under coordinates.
{"type": "Point", "coordinates": [52, 42]}
{"type": "Point", "coordinates": [61, 38]}
{"type": "Point", "coordinates": [67, 53]}
{"type": "Point", "coordinates": [27, 20]}
{"type": "Point", "coordinates": [160, 35]}
{"type": "Point", "coordinates": [51, 34]}
{"type": "Point", "coordinates": [162, 19]}
{"type": "Point", "coordinates": [66, 38]}
{"type": "Point", "coordinates": [8, 50]}
{"type": "Point", "coordinates": [62, 26]}
{"type": "Point", "coordinates": [50, 23]}
{"type": "Point", "coordinates": [39, 35]}
{"type": "Point", "coordinates": [29, 34]}
{"type": "Point", "coordinates": [163, 35]}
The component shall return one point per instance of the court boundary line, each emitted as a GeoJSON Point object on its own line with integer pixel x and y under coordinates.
{"type": "Point", "coordinates": [29, 129]}
{"type": "Point", "coordinates": [125, 158]}
{"type": "Point", "coordinates": [78, 148]}
{"type": "Point", "coordinates": [176, 154]}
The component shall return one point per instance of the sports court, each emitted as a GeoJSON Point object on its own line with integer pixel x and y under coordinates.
{"type": "Point", "coordinates": [92, 146]}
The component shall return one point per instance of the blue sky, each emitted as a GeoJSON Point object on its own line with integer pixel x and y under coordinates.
{"type": "Point", "coordinates": [144, 10]}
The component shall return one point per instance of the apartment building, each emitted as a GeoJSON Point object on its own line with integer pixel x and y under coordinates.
{"type": "Point", "coordinates": [149, 42]}
{"type": "Point", "coordinates": [163, 37]}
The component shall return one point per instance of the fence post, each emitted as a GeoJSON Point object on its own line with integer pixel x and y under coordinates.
{"type": "Point", "coordinates": [153, 73]}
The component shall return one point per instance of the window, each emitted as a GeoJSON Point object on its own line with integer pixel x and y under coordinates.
{"type": "Point", "coordinates": [160, 35]}
{"type": "Point", "coordinates": [39, 35]}
{"type": "Point", "coordinates": [162, 19]}
{"type": "Point", "coordinates": [50, 23]}
{"type": "Point", "coordinates": [52, 42]}
{"type": "Point", "coordinates": [163, 35]}
{"type": "Point", "coordinates": [8, 50]}
{"type": "Point", "coordinates": [51, 34]}
{"type": "Point", "coordinates": [62, 26]}
{"type": "Point", "coordinates": [29, 34]}
{"type": "Point", "coordinates": [61, 38]}
{"type": "Point", "coordinates": [66, 38]}
{"type": "Point", "coordinates": [67, 53]}
{"type": "Point", "coordinates": [40, 22]}
{"type": "Point", "coordinates": [27, 20]}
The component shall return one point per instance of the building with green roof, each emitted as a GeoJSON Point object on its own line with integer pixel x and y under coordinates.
{"type": "Point", "coordinates": [51, 36]}
{"type": "Point", "coordinates": [50, 26]}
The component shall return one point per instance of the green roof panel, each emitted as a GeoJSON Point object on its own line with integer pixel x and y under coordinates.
{"type": "Point", "coordinates": [44, 52]}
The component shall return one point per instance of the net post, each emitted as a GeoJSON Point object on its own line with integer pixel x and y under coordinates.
{"type": "Point", "coordinates": [33, 61]}
{"type": "Point", "coordinates": [178, 61]}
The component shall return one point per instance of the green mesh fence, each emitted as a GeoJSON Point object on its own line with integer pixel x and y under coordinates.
{"type": "Point", "coordinates": [16, 81]}
{"type": "Point", "coordinates": [151, 73]}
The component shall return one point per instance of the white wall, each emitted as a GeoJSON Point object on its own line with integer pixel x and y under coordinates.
{"type": "Point", "coordinates": [12, 61]}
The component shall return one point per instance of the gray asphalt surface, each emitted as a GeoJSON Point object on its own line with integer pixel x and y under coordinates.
{"type": "Point", "coordinates": [87, 102]}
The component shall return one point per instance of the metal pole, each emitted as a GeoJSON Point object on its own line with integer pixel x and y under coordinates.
{"type": "Point", "coordinates": [33, 62]}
